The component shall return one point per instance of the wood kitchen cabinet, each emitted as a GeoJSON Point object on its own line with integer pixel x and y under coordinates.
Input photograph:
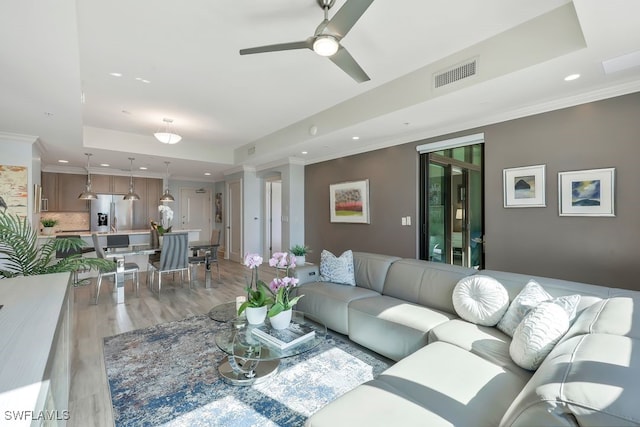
{"type": "Point", "coordinates": [150, 191]}
{"type": "Point", "coordinates": [119, 184]}
{"type": "Point", "coordinates": [60, 192]}
{"type": "Point", "coordinates": [101, 184]}
{"type": "Point", "coordinates": [69, 188]}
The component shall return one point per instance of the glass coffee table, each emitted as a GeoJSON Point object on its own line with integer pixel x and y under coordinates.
{"type": "Point", "coordinates": [251, 360]}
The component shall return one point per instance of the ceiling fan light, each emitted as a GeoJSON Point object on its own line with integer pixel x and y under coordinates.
{"type": "Point", "coordinates": [325, 45]}
{"type": "Point", "coordinates": [167, 137]}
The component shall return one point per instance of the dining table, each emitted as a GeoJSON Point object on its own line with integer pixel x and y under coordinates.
{"type": "Point", "coordinates": [208, 248]}
{"type": "Point", "coordinates": [119, 254]}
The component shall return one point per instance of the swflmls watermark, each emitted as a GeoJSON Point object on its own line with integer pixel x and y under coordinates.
{"type": "Point", "coordinates": [51, 415]}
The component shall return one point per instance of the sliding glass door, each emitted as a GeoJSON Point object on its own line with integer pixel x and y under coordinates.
{"type": "Point", "coordinates": [451, 206]}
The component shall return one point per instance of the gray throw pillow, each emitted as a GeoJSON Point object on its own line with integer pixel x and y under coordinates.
{"type": "Point", "coordinates": [337, 269]}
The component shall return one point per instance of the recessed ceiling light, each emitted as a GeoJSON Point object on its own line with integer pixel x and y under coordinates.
{"type": "Point", "coordinates": [63, 161]}
{"type": "Point", "coordinates": [571, 77]}
{"type": "Point", "coordinates": [116, 74]}
{"type": "Point", "coordinates": [143, 168]}
{"type": "Point", "coordinates": [207, 173]}
{"type": "Point", "coordinates": [140, 79]}
{"type": "Point", "coordinates": [305, 152]}
{"type": "Point", "coordinates": [355, 137]}
{"type": "Point", "coordinates": [105, 165]}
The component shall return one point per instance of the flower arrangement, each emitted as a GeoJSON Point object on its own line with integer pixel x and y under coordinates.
{"type": "Point", "coordinates": [257, 290]}
{"type": "Point", "coordinates": [281, 287]}
{"type": "Point", "coordinates": [166, 216]}
{"type": "Point", "coordinates": [277, 294]}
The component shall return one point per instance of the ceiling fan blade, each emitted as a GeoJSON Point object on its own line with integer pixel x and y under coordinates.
{"type": "Point", "coordinates": [347, 16]}
{"type": "Point", "coordinates": [344, 60]}
{"type": "Point", "coordinates": [306, 44]}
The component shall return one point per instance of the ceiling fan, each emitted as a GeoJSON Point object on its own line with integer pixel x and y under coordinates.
{"type": "Point", "coordinates": [326, 39]}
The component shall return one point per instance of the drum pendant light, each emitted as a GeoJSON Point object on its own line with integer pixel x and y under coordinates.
{"type": "Point", "coordinates": [167, 197]}
{"type": "Point", "coordinates": [87, 194]}
{"type": "Point", "coordinates": [131, 195]}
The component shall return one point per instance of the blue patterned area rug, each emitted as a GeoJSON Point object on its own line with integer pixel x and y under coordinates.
{"type": "Point", "coordinates": [167, 375]}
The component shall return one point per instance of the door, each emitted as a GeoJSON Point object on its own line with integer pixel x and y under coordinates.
{"type": "Point", "coordinates": [273, 226]}
{"type": "Point", "coordinates": [195, 210]}
{"type": "Point", "coordinates": [451, 206]}
{"type": "Point", "coordinates": [234, 221]}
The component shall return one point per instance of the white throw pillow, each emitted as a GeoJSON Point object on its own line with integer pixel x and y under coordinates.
{"type": "Point", "coordinates": [337, 269]}
{"type": "Point", "coordinates": [537, 334]}
{"type": "Point", "coordinates": [480, 299]}
{"type": "Point", "coordinates": [530, 297]}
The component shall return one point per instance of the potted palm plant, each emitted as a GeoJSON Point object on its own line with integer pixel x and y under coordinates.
{"type": "Point", "coordinates": [48, 224]}
{"type": "Point", "coordinates": [22, 256]}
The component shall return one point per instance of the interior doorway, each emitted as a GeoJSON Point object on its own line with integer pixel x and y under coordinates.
{"type": "Point", "coordinates": [196, 210]}
{"type": "Point", "coordinates": [273, 217]}
{"type": "Point", "coordinates": [451, 206]}
{"type": "Point", "coordinates": [234, 221]}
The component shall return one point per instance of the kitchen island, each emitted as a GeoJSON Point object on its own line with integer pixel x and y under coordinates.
{"type": "Point", "coordinates": [35, 355]}
{"type": "Point", "coordinates": [136, 237]}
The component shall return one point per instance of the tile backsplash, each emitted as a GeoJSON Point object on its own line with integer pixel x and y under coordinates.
{"type": "Point", "coordinates": [68, 221]}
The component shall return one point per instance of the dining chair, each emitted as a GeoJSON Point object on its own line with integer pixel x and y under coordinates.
{"type": "Point", "coordinates": [117, 240]}
{"type": "Point", "coordinates": [130, 268]}
{"type": "Point", "coordinates": [174, 257]}
{"type": "Point", "coordinates": [210, 255]}
{"type": "Point", "coordinates": [73, 251]}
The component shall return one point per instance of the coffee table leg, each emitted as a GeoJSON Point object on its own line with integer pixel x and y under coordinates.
{"type": "Point", "coordinates": [238, 371]}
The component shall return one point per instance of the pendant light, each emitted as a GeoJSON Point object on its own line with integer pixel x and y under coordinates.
{"type": "Point", "coordinates": [167, 197]}
{"type": "Point", "coordinates": [166, 135]}
{"type": "Point", "coordinates": [131, 195]}
{"type": "Point", "coordinates": [87, 194]}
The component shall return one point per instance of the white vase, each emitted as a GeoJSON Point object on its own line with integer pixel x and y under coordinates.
{"type": "Point", "coordinates": [256, 315]}
{"type": "Point", "coordinates": [160, 238]}
{"type": "Point", "coordinates": [47, 231]}
{"type": "Point", "coordinates": [281, 320]}
{"type": "Point", "coordinates": [301, 260]}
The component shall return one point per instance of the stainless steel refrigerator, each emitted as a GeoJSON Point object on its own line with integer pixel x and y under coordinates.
{"type": "Point", "coordinates": [111, 213]}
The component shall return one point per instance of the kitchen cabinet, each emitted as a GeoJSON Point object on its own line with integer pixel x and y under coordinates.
{"type": "Point", "coordinates": [150, 191]}
{"type": "Point", "coordinates": [69, 188]}
{"type": "Point", "coordinates": [60, 192]}
{"type": "Point", "coordinates": [119, 185]}
{"type": "Point", "coordinates": [101, 184]}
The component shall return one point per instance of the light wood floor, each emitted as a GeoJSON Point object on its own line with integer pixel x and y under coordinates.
{"type": "Point", "coordinates": [90, 403]}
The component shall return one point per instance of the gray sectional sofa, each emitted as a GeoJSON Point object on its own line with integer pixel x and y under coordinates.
{"type": "Point", "coordinates": [451, 372]}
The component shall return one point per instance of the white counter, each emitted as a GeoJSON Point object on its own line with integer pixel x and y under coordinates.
{"type": "Point", "coordinates": [35, 330]}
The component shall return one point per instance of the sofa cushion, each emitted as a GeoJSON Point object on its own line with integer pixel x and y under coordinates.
{"type": "Point", "coordinates": [537, 334]}
{"type": "Point", "coordinates": [424, 282]}
{"type": "Point", "coordinates": [515, 282]}
{"type": "Point", "coordinates": [438, 385]}
{"type": "Point", "coordinates": [616, 316]}
{"type": "Point", "coordinates": [371, 269]}
{"type": "Point", "coordinates": [530, 297]}
{"type": "Point", "coordinates": [480, 299]}
{"type": "Point", "coordinates": [337, 269]}
{"type": "Point", "coordinates": [588, 380]}
{"type": "Point", "coordinates": [484, 341]}
{"type": "Point", "coordinates": [328, 302]}
{"type": "Point", "coordinates": [392, 327]}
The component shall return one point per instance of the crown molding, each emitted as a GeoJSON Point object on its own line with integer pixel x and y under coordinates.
{"type": "Point", "coordinates": [17, 137]}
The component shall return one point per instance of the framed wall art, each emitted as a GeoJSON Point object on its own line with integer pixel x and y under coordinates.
{"type": "Point", "coordinates": [524, 187]}
{"type": "Point", "coordinates": [587, 192]}
{"type": "Point", "coordinates": [13, 190]}
{"type": "Point", "coordinates": [349, 202]}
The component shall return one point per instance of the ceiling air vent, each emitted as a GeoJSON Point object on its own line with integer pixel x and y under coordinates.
{"type": "Point", "coordinates": [459, 72]}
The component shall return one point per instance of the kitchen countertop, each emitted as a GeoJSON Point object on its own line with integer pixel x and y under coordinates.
{"type": "Point", "coordinates": [106, 233]}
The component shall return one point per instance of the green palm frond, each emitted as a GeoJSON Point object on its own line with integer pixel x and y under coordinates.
{"type": "Point", "coordinates": [20, 254]}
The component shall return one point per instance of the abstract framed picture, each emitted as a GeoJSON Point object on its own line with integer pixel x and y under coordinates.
{"type": "Point", "coordinates": [587, 192]}
{"type": "Point", "coordinates": [524, 187]}
{"type": "Point", "coordinates": [349, 202]}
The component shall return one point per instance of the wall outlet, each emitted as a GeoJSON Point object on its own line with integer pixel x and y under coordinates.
{"type": "Point", "coordinates": [404, 220]}
{"type": "Point", "coordinates": [408, 220]}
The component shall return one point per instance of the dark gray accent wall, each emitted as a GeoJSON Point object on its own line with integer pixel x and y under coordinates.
{"type": "Point", "coordinates": [533, 241]}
